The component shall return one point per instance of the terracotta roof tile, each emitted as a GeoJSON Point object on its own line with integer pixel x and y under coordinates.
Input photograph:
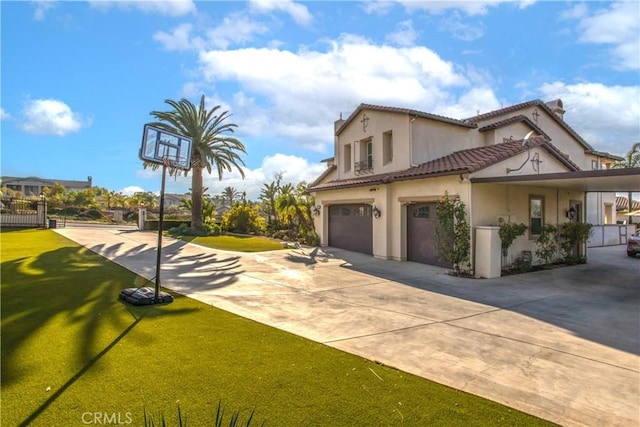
{"type": "Point", "coordinates": [537, 103]}
{"type": "Point", "coordinates": [406, 111]}
{"type": "Point", "coordinates": [463, 161]}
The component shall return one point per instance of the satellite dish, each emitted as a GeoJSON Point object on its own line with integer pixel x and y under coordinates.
{"type": "Point", "coordinates": [525, 140]}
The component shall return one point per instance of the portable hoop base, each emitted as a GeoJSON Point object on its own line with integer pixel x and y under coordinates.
{"type": "Point", "coordinates": [144, 296]}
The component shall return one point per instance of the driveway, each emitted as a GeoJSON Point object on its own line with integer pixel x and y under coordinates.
{"type": "Point", "coordinates": [562, 344]}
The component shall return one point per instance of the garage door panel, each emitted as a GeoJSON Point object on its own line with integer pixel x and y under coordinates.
{"type": "Point", "coordinates": [350, 227]}
{"type": "Point", "coordinates": [421, 234]}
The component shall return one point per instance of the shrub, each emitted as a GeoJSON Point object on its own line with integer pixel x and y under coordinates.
{"type": "Point", "coordinates": [510, 231]}
{"type": "Point", "coordinates": [243, 218]}
{"type": "Point", "coordinates": [453, 233]}
{"type": "Point", "coordinates": [573, 235]}
{"type": "Point", "coordinates": [547, 243]}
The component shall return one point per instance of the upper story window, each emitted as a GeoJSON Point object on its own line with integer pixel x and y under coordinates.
{"type": "Point", "coordinates": [365, 164]}
{"type": "Point", "coordinates": [347, 157]}
{"type": "Point", "coordinates": [387, 147]}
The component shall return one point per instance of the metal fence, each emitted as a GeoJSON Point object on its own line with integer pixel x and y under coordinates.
{"type": "Point", "coordinates": [23, 213]}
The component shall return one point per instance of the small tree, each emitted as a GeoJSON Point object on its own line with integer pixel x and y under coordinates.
{"type": "Point", "coordinates": [509, 232]}
{"type": "Point", "coordinates": [573, 235]}
{"type": "Point", "coordinates": [453, 233]}
{"type": "Point", "coordinates": [547, 243]}
{"type": "Point", "coordinates": [243, 218]}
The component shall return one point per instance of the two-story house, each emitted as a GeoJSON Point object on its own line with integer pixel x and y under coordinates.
{"type": "Point", "coordinates": [522, 163]}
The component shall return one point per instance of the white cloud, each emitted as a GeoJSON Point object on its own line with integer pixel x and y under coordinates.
{"type": "Point", "coordinates": [306, 90]}
{"type": "Point", "coordinates": [377, 7]}
{"type": "Point", "coordinates": [297, 11]}
{"type": "Point", "coordinates": [617, 26]}
{"type": "Point", "coordinates": [295, 170]}
{"type": "Point", "coordinates": [161, 7]}
{"type": "Point", "coordinates": [51, 117]}
{"type": "Point", "coordinates": [41, 7]}
{"type": "Point", "coordinates": [470, 8]}
{"type": "Point", "coordinates": [179, 39]}
{"type": "Point", "coordinates": [131, 190]}
{"type": "Point", "coordinates": [235, 29]}
{"type": "Point", "coordinates": [4, 115]}
{"type": "Point", "coordinates": [460, 29]}
{"type": "Point", "coordinates": [405, 35]}
{"type": "Point", "coordinates": [608, 117]}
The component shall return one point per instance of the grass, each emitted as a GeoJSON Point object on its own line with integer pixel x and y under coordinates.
{"type": "Point", "coordinates": [71, 350]}
{"type": "Point", "coordinates": [235, 243]}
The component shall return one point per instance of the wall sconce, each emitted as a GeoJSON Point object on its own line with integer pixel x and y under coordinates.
{"type": "Point", "coordinates": [42, 197]}
{"type": "Point", "coordinates": [376, 212]}
{"type": "Point", "coordinates": [571, 213]}
{"type": "Point", "coordinates": [316, 210]}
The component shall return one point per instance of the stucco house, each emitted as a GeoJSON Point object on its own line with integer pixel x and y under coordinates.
{"type": "Point", "coordinates": [522, 163]}
{"type": "Point", "coordinates": [33, 186]}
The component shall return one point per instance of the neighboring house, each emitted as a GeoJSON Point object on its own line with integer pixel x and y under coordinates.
{"type": "Point", "coordinates": [174, 200]}
{"type": "Point", "coordinates": [33, 186]}
{"type": "Point", "coordinates": [622, 210]}
{"type": "Point", "coordinates": [522, 163]}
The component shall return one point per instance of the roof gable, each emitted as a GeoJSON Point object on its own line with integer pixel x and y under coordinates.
{"type": "Point", "coordinates": [536, 103]}
{"type": "Point", "coordinates": [405, 111]}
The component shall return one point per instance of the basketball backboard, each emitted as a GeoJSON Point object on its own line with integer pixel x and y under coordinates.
{"type": "Point", "coordinates": [165, 148]}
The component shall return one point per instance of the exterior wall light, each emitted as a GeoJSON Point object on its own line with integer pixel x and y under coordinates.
{"type": "Point", "coordinates": [316, 210]}
{"type": "Point", "coordinates": [376, 212]}
{"type": "Point", "coordinates": [571, 213]}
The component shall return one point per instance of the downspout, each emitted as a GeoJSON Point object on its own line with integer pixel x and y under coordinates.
{"type": "Point", "coordinates": [411, 141]}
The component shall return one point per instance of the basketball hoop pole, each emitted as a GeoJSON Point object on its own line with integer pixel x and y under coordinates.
{"type": "Point", "coordinates": [160, 224]}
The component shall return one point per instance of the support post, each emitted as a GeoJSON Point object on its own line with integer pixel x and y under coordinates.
{"type": "Point", "coordinates": [156, 298]}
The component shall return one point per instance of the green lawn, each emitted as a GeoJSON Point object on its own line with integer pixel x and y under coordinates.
{"type": "Point", "coordinates": [71, 348]}
{"type": "Point", "coordinates": [235, 243]}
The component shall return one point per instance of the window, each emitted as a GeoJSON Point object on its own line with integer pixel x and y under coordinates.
{"type": "Point", "coordinates": [14, 187]}
{"type": "Point", "coordinates": [365, 165]}
{"type": "Point", "coordinates": [367, 153]}
{"type": "Point", "coordinates": [347, 157]}
{"type": "Point", "coordinates": [536, 215]}
{"type": "Point", "coordinates": [421, 212]}
{"type": "Point", "coordinates": [387, 147]}
{"type": "Point", "coordinates": [31, 190]}
{"type": "Point", "coordinates": [594, 165]}
{"type": "Point", "coordinates": [608, 213]}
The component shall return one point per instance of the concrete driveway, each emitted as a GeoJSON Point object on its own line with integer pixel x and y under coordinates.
{"type": "Point", "coordinates": [562, 344]}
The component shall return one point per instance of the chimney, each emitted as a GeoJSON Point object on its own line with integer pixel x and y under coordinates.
{"type": "Point", "coordinates": [90, 180]}
{"type": "Point", "coordinates": [337, 124]}
{"type": "Point", "coordinates": [557, 107]}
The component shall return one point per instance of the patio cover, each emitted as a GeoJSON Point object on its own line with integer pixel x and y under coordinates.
{"type": "Point", "coordinates": [605, 180]}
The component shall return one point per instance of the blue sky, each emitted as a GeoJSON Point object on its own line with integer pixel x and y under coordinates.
{"type": "Point", "coordinates": [79, 79]}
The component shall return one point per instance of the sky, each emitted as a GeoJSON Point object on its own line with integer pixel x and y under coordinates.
{"type": "Point", "coordinates": [79, 79]}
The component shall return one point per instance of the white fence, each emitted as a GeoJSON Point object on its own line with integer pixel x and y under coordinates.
{"type": "Point", "coordinates": [610, 235]}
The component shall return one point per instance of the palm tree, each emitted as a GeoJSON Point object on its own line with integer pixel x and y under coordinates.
{"type": "Point", "coordinates": [230, 194]}
{"type": "Point", "coordinates": [295, 207]}
{"type": "Point", "coordinates": [631, 160]}
{"type": "Point", "coordinates": [212, 147]}
{"type": "Point", "coordinates": [268, 195]}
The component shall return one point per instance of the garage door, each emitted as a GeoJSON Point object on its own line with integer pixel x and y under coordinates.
{"type": "Point", "coordinates": [350, 227]}
{"type": "Point", "coordinates": [421, 234]}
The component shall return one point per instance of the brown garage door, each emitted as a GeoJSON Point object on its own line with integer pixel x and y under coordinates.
{"type": "Point", "coordinates": [421, 234]}
{"type": "Point", "coordinates": [350, 227]}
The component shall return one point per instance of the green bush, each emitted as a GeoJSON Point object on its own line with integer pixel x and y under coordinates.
{"type": "Point", "coordinates": [233, 421]}
{"type": "Point", "coordinates": [573, 235]}
{"type": "Point", "coordinates": [547, 243]}
{"type": "Point", "coordinates": [243, 218]}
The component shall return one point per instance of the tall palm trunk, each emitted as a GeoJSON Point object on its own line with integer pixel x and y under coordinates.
{"type": "Point", "coordinates": [196, 197]}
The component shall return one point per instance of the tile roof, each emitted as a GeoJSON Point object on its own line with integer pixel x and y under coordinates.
{"type": "Point", "coordinates": [463, 161]}
{"type": "Point", "coordinates": [537, 103]}
{"type": "Point", "coordinates": [406, 111]}
{"type": "Point", "coordinates": [515, 119]}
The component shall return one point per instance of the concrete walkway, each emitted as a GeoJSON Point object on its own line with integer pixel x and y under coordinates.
{"type": "Point", "coordinates": [562, 344]}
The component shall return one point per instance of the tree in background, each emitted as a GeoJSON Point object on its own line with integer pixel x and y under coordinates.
{"type": "Point", "coordinates": [631, 160]}
{"type": "Point", "coordinates": [212, 147]}
{"type": "Point", "coordinates": [230, 195]}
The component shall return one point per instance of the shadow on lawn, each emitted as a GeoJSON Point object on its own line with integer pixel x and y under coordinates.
{"type": "Point", "coordinates": [70, 282]}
